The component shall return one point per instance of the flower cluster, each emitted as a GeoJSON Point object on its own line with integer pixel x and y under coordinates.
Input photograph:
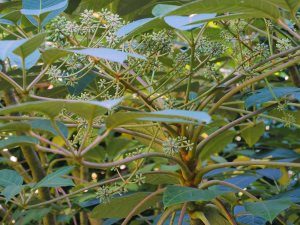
{"type": "Point", "coordinates": [172, 146]}
{"type": "Point", "coordinates": [283, 44]}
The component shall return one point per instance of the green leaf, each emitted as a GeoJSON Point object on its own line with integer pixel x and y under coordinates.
{"type": "Point", "coordinates": [269, 209]}
{"type": "Point", "coordinates": [120, 207]}
{"type": "Point", "coordinates": [30, 45]}
{"type": "Point", "coordinates": [13, 141]}
{"type": "Point", "coordinates": [14, 126]}
{"type": "Point", "coordinates": [166, 116]}
{"type": "Point", "coordinates": [46, 125]}
{"type": "Point", "coordinates": [217, 144]}
{"type": "Point", "coordinates": [51, 55]}
{"type": "Point", "coordinates": [39, 7]}
{"type": "Point", "coordinates": [264, 95]}
{"type": "Point", "coordinates": [27, 217]}
{"type": "Point", "coordinates": [290, 5]}
{"type": "Point", "coordinates": [158, 179]}
{"type": "Point", "coordinates": [51, 108]}
{"type": "Point", "coordinates": [10, 177]}
{"type": "Point", "coordinates": [258, 8]}
{"type": "Point", "coordinates": [55, 179]}
{"type": "Point", "coordinates": [177, 194]}
{"type": "Point", "coordinates": [11, 191]}
{"type": "Point", "coordinates": [162, 9]}
{"type": "Point", "coordinates": [252, 133]}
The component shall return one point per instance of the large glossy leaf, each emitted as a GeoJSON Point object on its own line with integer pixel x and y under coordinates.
{"type": "Point", "coordinates": [120, 207]}
{"type": "Point", "coordinates": [39, 7]}
{"type": "Point", "coordinates": [166, 116]}
{"type": "Point", "coordinates": [241, 181]}
{"type": "Point", "coordinates": [259, 8]}
{"type": "Point", "coordinates": [14, 141]}
{"type": "Point", "coordinates": [86, 109]}
{"type": "Point", "coordinates": [252, 133]}
{"type": "Point", "coordinates": [176, 194]}
{"type": "Point", "coordinates": [10, 177]}
{"type": "Point", "coordinates": [269, 209]}
{"type": "Point", "coordinates": [113, 55]}
{"type": "Point", "coordinates": [264, 95]}
{"type": "Point", "coordinates": [293, 195]}
{"type": "Point", "coordinates": [55, 179]}
{"type": "Point", "coordinates": [217, 144]}
{"type": "Point", "coordinates": [30, 45]}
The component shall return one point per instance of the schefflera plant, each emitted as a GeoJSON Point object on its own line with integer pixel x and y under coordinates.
{"type": "Point", "coordinates": [71, 87]}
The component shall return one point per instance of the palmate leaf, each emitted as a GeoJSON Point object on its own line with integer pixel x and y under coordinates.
{"type": "Point", "coordinates": [176, 194]}
{"type": "Point", "coordinates": [166, 116]}
{"type": "Point", "coordinates": [113, 55]}
{"type": "Point", "coordinates": [51, 108]}
{"type": "Point", "coordinates": [269, 209]}
{"type": "Point", "coordinates": [120, 207]}
{"type": "Point", "coordinates": [55, 179]}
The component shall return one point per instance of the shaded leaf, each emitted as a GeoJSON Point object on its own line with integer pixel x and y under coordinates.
{"type": "Point", "coordinates": [51, 108]}
{"type": "Point", "coordinates": [269, 209]}
{"type": "Point", "coordinates": [55, 180]}
{"type": "Point", "coordinates": [13, 141]}
{"type": "Point", "coordinates": [166, 116]}
{"type": "Point", "coordinates": [117, 209]}
{"type": "Point", "coordinates": [14, 126]}
{"type": "Point", "coordinates": [11, 191]}
{"type": "Point", "coordinates": [178, 194]}
{"type": "Point", "coordinates": [252, 133]}
{"type": "Point", "coordinates": [10, 177]}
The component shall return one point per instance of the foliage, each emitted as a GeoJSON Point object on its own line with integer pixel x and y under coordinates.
{"type": "Point", "coordinates": [149, 112]}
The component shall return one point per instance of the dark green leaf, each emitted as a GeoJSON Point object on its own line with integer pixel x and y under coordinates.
{"type": "Point", "coordinates": [252, 133]}
{"type": "Point", "coordinates": [176, 194]}
{"type": "Point", "coordinates": [13, 141]}
{"type": "Point", "coordinates": [269, 209]}
{"type": "Point", "coordinates": [55, 180]}
{"type": "Point", "coordinates": [11, 191]}
{"type": "Point", "coordinates": [14, 126]}
{"type": "Point", "coordinates": [117, 209]}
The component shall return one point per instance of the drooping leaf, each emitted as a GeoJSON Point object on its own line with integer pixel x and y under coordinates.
{"type": "Point", "coordinates": [264, 95]}
{"type": "Point", "coordinates": [14, 126]}
{"type": "Point", "coordinates": [268, 209]}
{"type": "Point", "coordinates": [140, 26]}
{"type": "Point", "coordinates": [252, 133]}
{"type": "Point", "coordinates": [166, 116]}
{"type": "Point", "coordinates": [10, 177]}
{"type": "Point", "coordinates": [242, 181]}
{"type": "Point", "coordinates": [183, 22]}
{"type": "Point", "coordinates": [11, 191]}
{"type": "Point", "coordinates": [55, 179]}
{"type": "Point", "coordinates": [178, 194]}
{"type": "Point", "coordinates": [13, 141]}
{"type": "Point", "coordinates": [293, 195]}
{"type": "Point", "coordinates": [51, 108]}
{"type": "Point", "coordinates": [28, 216]}
{"type": "Point", "coordinates": [117, 209]}
{"type": "Point", "coordinates": [217, 144]}
{"type": "Point", "coordinates": [30, 45]}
